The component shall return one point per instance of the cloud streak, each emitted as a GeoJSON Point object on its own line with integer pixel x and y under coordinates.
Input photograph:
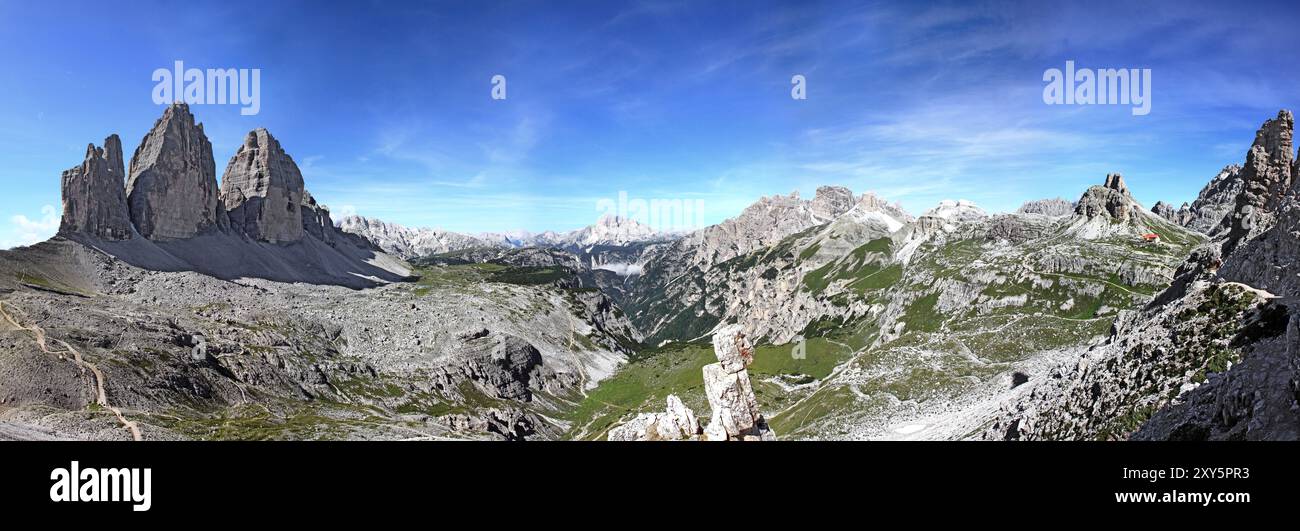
{"type": "Point", "coordinates": [26, 231]}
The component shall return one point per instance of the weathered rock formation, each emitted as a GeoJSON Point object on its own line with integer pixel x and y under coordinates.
{"type": "Point", "coordinates": [1215, 202]}
{"type": "Point", "coordinates": [736, 416]}
{"type": "Point", "coordinates": [1111, 199]}
{"type": "Point", "coordinates": [316, 219]}
{"type": "Point", "coordinates": [173, 201]}
{"type": "Point", "coordinates": [675, 424]}
{"type": "Point", "coordinates": [93, 201]}
{"type": "Point", "coordinates": [172, 192]}
{"type": "Point", "coordinates": [262, 190]}
{"type": "Point", "coordinates": [1181, 215]}
{"type": "Point", "coordinates": [831, 201]}
{"type": "Point", "coordinates": [1266, 178]}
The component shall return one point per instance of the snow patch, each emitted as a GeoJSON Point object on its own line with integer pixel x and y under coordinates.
{"type": "Point", "coordinates": [621, 269]}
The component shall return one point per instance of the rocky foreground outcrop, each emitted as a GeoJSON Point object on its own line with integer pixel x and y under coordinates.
{"type": "Point", "coordinates": [93, 200]}
{"type": "Point", "coordinates": [677, 423]}
{"type": "Point", "coordinates": [1266, 178]}
{"type": "Point", "coordinates": [1214, 356]}
{"type": "Point", "coordinates": [736, 415]}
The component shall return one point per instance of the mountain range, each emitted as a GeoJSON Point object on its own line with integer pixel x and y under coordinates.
{"type": "Point", "coordinates": [171, 305]}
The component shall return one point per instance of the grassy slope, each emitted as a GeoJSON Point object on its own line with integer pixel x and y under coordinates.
{"type": "Point", "coordinates": [932, 360]}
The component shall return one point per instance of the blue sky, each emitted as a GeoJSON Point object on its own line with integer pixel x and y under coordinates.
{"type": "Point", "coordinates": [386, 106]}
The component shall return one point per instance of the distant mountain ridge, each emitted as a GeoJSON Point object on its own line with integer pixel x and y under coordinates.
{"type": "Point", "coordinates": [409, 243]}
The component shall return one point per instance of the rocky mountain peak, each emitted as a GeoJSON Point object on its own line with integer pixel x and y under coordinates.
{"type": "Point", "coordinates": [1274, 138]}
{"type": "Point", "coordinates": [172, 192]}
{"type": "Point", "coordinates": [1266, 177]}
{"type": "Point", "coordinates": [956, 210]}
{"type": "Point", "coordinates": [1214, 203]}
{"type": "Point", "coordinates": [1181, 215]}
{"type": "Point", "coordinates": [1115, 181]}
{"type": "Point", "coordinates": [1111, 200]}
{"type": "Point", "coordinates": [262, 190]}
{"type": "Point", "coordinates": [612, 230]}
{"type": "Point", "coordinates": [871, 201]}
{"type": "Point", "coordinates": [831, 201]}
{"type": "Point", "coordinates": [93, 200]}
{"type": "Point", "coordinates": [872, 207]}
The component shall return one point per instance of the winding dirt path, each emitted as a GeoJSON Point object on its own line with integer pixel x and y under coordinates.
{"type": "Point", "coordinates": [100, 398]}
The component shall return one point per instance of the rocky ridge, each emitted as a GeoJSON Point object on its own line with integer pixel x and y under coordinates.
{"type": "Point", "coordinates": [957, 294]}
{"type": "Point", "coordinates": [1212, 356]}
{"type": "Point", "coordinates": [411, 243]}
{"type": "Point", "coordinates": [1055, 207]}
{"type": "Point", "coordinates": [1216, 200]}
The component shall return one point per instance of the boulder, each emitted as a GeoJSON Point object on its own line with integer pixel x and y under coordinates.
{"type": "Point", "coordinates": [675, 424]}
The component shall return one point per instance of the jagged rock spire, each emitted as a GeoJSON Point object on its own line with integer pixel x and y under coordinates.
{"type": "Point", "coordinates": [172, 191]}
{"type": "Point", "coordinates": [93, 200]}
{"type": "Point", "coordinates": [1115, 181]}
{"type": "Point", "coordinates": [736, 416]}
{"type": "Point", "coordinates": [1111, 199]}
{"type": "Point", "coordinates": [262, 190]}
{"type": "Point", "coordinates": [1267, 177]}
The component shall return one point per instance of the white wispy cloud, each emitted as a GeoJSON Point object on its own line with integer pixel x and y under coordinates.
{"type": "Point", "coordinates": [27, 231]}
